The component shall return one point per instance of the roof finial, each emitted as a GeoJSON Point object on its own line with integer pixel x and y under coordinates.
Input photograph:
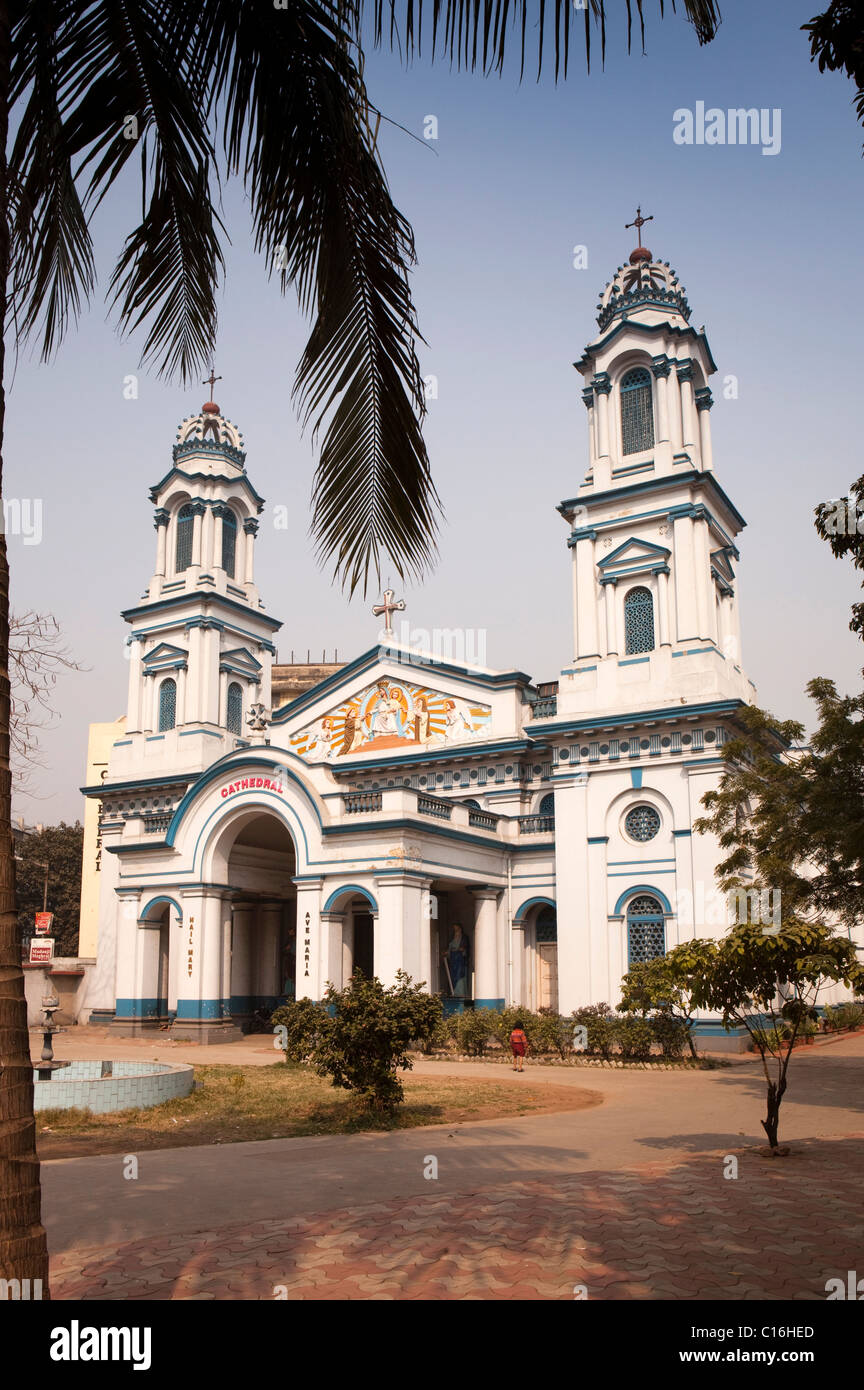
{"type": "Point", "coordinates": [641, 252]}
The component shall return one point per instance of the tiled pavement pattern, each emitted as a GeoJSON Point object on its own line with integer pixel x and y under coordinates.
{"type": "Point", "coordinates": [673, 1229]}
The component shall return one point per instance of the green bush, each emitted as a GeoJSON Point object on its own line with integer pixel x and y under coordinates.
{"type": "Point", "coordinates": [840, 1016]}
{"type": "Point", "coordinates": [634, 1037]}
{"type": "Point", "coordinates": [601, 1028]}
{"type": "Point", "coordinates": [475, 1029]}
{"type": "Point", "coordinates": [360, 1036]}
{"type": "Point", "coordinates": [670, 1032]}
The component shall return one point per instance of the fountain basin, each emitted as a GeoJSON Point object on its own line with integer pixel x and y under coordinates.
{"type": "Point", "coordinates": [106, 1086]}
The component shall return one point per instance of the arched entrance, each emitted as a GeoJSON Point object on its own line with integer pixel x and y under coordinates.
{"type": "Point", "coordinates": [546, 953]}
{"type": "Point", "coordinates": [260, 862]}
{"type": "Point", "coordinates": [352, 912]}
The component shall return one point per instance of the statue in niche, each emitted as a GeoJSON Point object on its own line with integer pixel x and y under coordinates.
{"type": "Point", "coordinates": [456, 963]}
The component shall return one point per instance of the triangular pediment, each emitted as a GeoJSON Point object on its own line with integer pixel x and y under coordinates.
{"type": "Point", "coordinates": [633, 554]}
{"type": "Point", "coordinates": [165, 655]}
{"type": "Point", "coordinates": [386, 713]}
{"type": "Point", "coordinates": [239, 659]}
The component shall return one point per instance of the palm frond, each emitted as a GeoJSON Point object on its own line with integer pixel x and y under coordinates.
{"type": "Point", "coordinates": [473, 34]}
{"type": "Point", "coordinates": [323, 216]}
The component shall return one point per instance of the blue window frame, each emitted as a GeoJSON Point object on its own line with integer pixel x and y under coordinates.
{"type": "Point", "coordinates": [638, 621]}
{"type": "Point", "coordinates": [234, 712]}
{"type": "Point", "coordinates": [646, 931]}
{"type": "Point", "coordinates": [167, 705]}
{"type": "Point", "coordinates": [637, 411]}
{"type": "Point", "coordinates": [229, 542]}
{"type": "Point", "coordinates": [185, 528]}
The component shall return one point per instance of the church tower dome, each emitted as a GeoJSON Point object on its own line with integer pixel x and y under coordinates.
{"type": "Point", "coordinates": [653, 534]}
{"type": "Point", "coordinates": [201, 645]}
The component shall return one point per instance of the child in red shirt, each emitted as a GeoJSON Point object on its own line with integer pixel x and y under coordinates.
{"type": "Point", "coordinates": [518, 1045]}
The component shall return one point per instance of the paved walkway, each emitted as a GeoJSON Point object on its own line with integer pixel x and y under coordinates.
{"type": "Point", "coordinates": [628, 1198]}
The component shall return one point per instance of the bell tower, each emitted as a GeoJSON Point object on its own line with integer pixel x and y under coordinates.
{"type": "Point", "coordinates": [201, 645]}
{"type": "Point", "coordinates": [652, 533]}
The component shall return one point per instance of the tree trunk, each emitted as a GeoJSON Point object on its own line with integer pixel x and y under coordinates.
{"type": "Point", "coordinates": [23, 1247]}
{"type": "Point", "coordinates": [771, 1123]}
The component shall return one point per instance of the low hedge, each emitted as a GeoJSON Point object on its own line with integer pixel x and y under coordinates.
{"type": "Point", "coordinates": [474, 1032]}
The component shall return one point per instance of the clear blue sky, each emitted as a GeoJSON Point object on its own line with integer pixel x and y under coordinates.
{"type": "Point", "coordinates": [767, 247]}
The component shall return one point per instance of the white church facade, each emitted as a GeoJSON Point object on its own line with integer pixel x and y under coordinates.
{"type": "Point", "coordinates": [502, 842]}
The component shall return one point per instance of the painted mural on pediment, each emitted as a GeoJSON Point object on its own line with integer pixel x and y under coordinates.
{"type": "Point", "coordinates": [393, 715]}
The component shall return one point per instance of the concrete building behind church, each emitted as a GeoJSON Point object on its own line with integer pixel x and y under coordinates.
{"type": "Point", "coordinates": [497, 839]}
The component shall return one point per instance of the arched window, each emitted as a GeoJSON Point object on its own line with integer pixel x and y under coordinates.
{"type": "Point", "coordinates": [185, 527]}
{"type": "Point", "coordinates": [234, 712]}
{"type": "Point", "coordinates": [637, 411]}
{"type": "Point", "coordinates": [546, 928]}
{"type": "Point", "coordinates": [229, 542]}
{"type": "Point", "coordinates": [642, 823]}
{"type": "Point", "coordinates": [474, 805]}
{"type": "Point", "coordinates": [167, 705]}
{"type": "Point", "coordinates": [639, 621]}
{"type": "Point", "coordinates": [646, 934]}
{"type": "Point", "coordinates": [547, 805]}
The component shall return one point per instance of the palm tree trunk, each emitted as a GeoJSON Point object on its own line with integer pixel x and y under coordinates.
{"type": "Point", "coordinates": [23, 1247]}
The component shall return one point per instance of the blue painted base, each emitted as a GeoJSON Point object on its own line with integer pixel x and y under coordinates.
{"type": "Point", "coordinates": [141, 1008]}
{"type": "Point", "coordinates": [249, 1003]}
{"type": "Point", "coordinates": [456, 1006]}
{"type": "Point", "coordinates": [489, 1004]}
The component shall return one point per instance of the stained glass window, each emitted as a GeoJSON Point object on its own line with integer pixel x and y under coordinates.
{"type": "Point", "coordinates": [185, 526]}
{"type": "Point", "coordinates": [234, 713]}
{"type": "Point", "coordinates": [167, 705]}
{"type": "Point", "coordinates": [639, 621]}
{"type": "Point", "coordinates": [637, 411]}
{"type": "Point", "coordinates": [229, 542]}
{"type": "Point", "coordinates": [646, 935]}
{"type": "Point", "coordinates": [642, 823]}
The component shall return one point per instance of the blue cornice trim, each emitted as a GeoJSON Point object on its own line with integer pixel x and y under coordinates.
{"type": "Point", "coordinates": [716, 707]}
{"type": "Point", "coordinates": [592, 349]}
{"type": "Point", "coordinates": [349, 888]}
{"type": "Point", "coordinates": [451, 753]}
{"type": "Point", "coordinates": [652, 552]}
{"type": "Point", "coordinates": [526, 907]}
{"type": "Point", "coordinates": [223, 768]}
{"type": "Point", "coordinates": [643, 888]}
{"type": "Point", "coordinates": [102, 788]}
{"type": "Point", "coordinates": [190, 597]}
{"type": "Point", "coordinates": [701, 480]}
{"type": "Point", "coordinates": [207, 477]}
{"type": "Point", "coordinates": [375, 656]}
{"type": "Point", "coordinates": [163, 898]}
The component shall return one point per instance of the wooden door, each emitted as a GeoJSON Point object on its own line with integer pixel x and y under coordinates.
{"type": "Point", "coordinates": [547, 969]}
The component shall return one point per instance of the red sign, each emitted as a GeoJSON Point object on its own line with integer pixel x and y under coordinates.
{"type": "Point", "coordinates": [43, 923]}
{"type": "Point", "coordinates": [42, 952]}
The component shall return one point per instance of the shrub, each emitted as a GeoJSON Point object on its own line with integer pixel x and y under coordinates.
{"type": "Point", "coordinates": [670, 1032]}
{"type": "Point", "coordinates": [301, 1024]}
{"type": "Point", "coordinates": [840, 1016]}
{"type": "Point", "coordinates": [359, 1036]}
{"type": "Point", "coordinates": [475, 1029]}
{"type": "Point", "coordinates": [551, 1033]}
{"type": "Point", "coordinates": [634, 1037]}
{"type": "Point", "coordinates": [600, 1025]}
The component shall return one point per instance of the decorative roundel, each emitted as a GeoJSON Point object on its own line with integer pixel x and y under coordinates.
{"type": "Point", "coordinates": [642, 823]}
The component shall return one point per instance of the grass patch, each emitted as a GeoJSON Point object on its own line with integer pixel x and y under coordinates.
{"type": "Point", "coordinates": [236, 1104]}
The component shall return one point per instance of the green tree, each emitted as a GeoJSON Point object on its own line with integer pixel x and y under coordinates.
{"type": "Point", "coordinates": [837, 44]}
{"type": "Point", "coordinates": [769, 982]}
{"type": "Point", "coordinates": [359, 1036]}
{"type": "Point", "coordinates": [60, 848]}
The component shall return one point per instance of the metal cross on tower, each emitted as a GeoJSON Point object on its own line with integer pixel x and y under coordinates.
{"type": "Point", "coordinates": [211, 380]}
{"type": "Point", "coordinates": [387, 609]}
{"type": "Point", "coordinates": [639, 223]}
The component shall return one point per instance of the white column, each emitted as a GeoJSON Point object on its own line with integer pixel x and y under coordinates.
{"type": "Point", "coordinates": [199, 988]}
{"type": "Point", "coordinates": [128, 985]}
{"type": "Point", "coordinates": [148, 699]}
{"type": "Point", "coordinates": [517, 949]}
{"type": "Point", "coordinates": [196, 535]}
{"type": "Point", "coordinates": [688, 433]}
{"type": "Point", "coordinates": [250, 528]}
{"type": "Point", "coordinates": [192, 709]}
{"type": "Point", "coordinates": [241, 988]}
{"type": "Point", "coordinates": [309, 930]}
{"type": "Point", "coordinates": [587, 641]}
{"type": "Point", "coordinates": [673, 397]}
{"type": "Point", "coordinates": [136, 687]}
{"type": "Point", "coordinates": [181, 695]}
{"type": "Point", "coordinates": [661, 376]}
{"type": "Point", "coordinates": [663, 606]}
{"type": "Point", "coordinates": [161, 541]}
{"type": "Point", "coordinates": [223, 698]}
{"type": "Point", "coordinates": [266, 952]}
{"type": "Point", "coordinates": [686, 610]}
{"type": "Point", "coordinates": [571, 893]}
{"type": "Point", "coordinates": [603, 424]}
{"type": "Point", "coordinates": [402, 928]}
{"type": "Point", "coordinates": [207, 557]}
{"type": "Point", "coordinates": [703, 580]}
{"type": "Point", "coordinates": [330, 962]}
{"type": "Point", "coordinates": [486, 949]}
{"type": "Point", "coordinates": [703, 403]}
{"type": "Point", "coordinates": [611, 624]}
{"type": "Point", "coordinates": [588, 398]}
{"type": "Point", "coordinates": [210, 644]}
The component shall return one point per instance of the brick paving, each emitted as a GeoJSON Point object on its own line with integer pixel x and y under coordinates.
{"type": "Point", "coordinates": [674, 1228]}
